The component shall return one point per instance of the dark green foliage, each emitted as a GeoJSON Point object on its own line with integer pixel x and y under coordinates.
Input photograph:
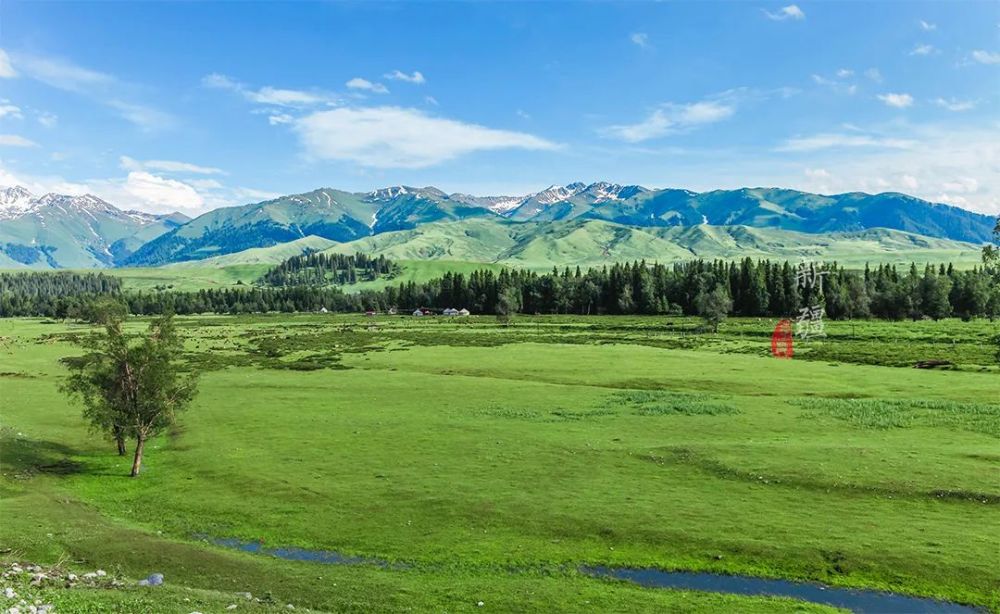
{"type": "Point", "coordinates": [53, 294]}
{"type": "Point", "coordinates": [28, 254]}
{"type": "Point", "coordinates": [755, 288]}
{"type": "Point", "coordinates": [318, 269]}
{"type": "Point", "coordinates": [131, 387]}
{"type": "Point", "coordinates": [713, 306]}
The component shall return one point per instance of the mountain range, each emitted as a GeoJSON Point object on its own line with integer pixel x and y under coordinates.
{"type": "Point", "coordinates": [62, 231]}
{"type": "Point", "coordinates": [59, 231]}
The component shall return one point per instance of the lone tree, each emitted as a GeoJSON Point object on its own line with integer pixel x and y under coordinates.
{"type": "Point", "coordinates": [713, 306]}
{"type": "Point", "coordinates": [508, 304]}
{"type": "Point", "coordinates": [130, 385]}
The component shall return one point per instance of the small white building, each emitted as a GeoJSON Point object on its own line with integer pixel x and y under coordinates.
{"type": "Point", "coordinates": [463, 312]}
{"type": "Point", "coordinates": [450, 312]}
{"type": "Point", "coordinates": [418, 312]}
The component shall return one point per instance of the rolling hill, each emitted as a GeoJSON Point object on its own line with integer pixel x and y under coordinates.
{"type": "Point", "coordinates": [431, 250]}
{"type": "Point", "coordinates": [561, 224]}
{"type": "Point", "coordinates": [596, 242]}
{"type": "Point", "coordinates": [344, 216]}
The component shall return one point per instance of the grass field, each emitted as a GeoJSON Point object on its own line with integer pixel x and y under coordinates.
{"type": "Point", "coordinates": [488, 462]}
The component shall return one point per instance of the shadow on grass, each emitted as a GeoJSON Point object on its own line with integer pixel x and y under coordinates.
{"type": "Point", "coordinates": [687, 457]}
{"type": "Point", "coordinates": [26, 457]}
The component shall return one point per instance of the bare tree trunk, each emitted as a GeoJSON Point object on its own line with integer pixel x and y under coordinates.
{"type": "Point", "coordinates": [140, 443]}
{"type": "Point", "coordinates": [120, 440]}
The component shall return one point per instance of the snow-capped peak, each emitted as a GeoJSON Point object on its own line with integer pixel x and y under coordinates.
{"type": "Point", "coordinates": [14, 200]}
{"type": "Point", "coordinates": [557, 193]}
{"type": "Point", "coordinates": [403, 190]}
{"type": "Point", "coordinates": [504, 204]}
{"type": "Point", "coordinates": [87, 203]}
{"type": "Point", "coordinates": [389, 193]}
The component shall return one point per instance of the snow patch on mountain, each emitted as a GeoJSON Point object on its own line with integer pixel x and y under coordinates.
{"type": "Point", "coordinates": [14, 201]}
{"type": "Point", "coordinates": [556, 193]}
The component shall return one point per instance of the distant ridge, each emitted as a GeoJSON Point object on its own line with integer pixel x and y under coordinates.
{"type": "Point", "coordinates": [63, 231]}
{"type": "Point", "coordinates": [346, 216]}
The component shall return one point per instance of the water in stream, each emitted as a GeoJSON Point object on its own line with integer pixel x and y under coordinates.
{"type": "Point", "coordinates": [856, 600]}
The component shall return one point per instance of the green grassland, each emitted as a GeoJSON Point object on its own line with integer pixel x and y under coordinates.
{"type": "Point", "coordinates": [596, 243]}
{"type": "Point", "coordinates": [188, 278]}
{"type": "Point", "coordinates": [490, 461]}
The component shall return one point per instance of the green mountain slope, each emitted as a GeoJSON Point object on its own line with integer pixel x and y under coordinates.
{"type": "Point", "coordinates": [57, 231]}
{"type": "Point", "coordinates": [596, 242]}
{"type": "Point", "coordinates": [260, 255]}
{"type": "Point", "coordinates": [344, 217]}
{"type": "Point", "coordinates": [61, 231]}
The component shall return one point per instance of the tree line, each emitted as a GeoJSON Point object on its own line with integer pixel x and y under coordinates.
{"type": "Point", "coordinates": [748, 288]}
{"type": "Point", "coordinates": [53, 294]}
{"type": "Point", "coordinates": [743, 288]}
{"type": "Point", "coordinates": [319, 269]}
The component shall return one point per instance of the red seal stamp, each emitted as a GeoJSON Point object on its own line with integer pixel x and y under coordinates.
{"type": "Point", "coordinates": [781, 340]}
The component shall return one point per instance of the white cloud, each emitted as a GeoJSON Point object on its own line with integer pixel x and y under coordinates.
{"type": "Point", "coordinates": [672, 118]}
{"type": "Point", "coordinates": [874, 74]}
{"type": "Point", "coordinates": [791, 11]}
{"type": "Point", "coordinates": [394, 137]}
{"type": "Point", "coordinates": [833, 140]}
{"type": "Point", "coordinates": [925, 50]}
{"type": "Point", "coordinates": [986, 57]}
{"type": "Point", "coordinates": [160, 192]}
{"type": "Point", "coordinates": [285, 97]}
{"type": "Point", "coordinates": [900, 101]}
{"type": "Point", "coordinates": [220, 81]}
{"type": "Point", "coordinates": [927, 26]}
{"type": "Point", "coordinates": [99, 87]}
{"type": "Point", "coordinates": [142, 190]}
{"type": "Point", "coordinates": [9, 110]}
{"type": "Point", "coordinates": [953, 104]}
{"type": "Point", "coordinates": [837, 85]}
{"type": "Point", "coordinates": [397, 75]}
{"type": "Point", "coordinates": [280, 118]}
{"type": "Point", "coordinates": [357, 83]}
{"type": "Point", "coordinates": [6, 68]}
{"type": "Point", "coordinates": [961, 185]}
{"type": "Point", "coordinates": [958, 167]}
{"type": "Point", "coordinates": [279, 97]}
{"type": "Point", "coordinates": [48, 120]}
{"type": "Point", "coordinates": [639, 38]}
{"type": "Point", "coordinates": [206, 184]}
{"type": "Point", "coordinates": [142, 116]}
{"type": "Point", "coordinates": [63, 75]}
{"type": "Point", "coordinates": [14, 140]}
{"type": "Point", "coordinates": [168, 166]}
{"type": "Point", "coordinates": [431, 101]}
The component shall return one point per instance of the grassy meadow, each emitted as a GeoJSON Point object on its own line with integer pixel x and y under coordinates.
{"type": "Point", "coordinates": [486, 463]}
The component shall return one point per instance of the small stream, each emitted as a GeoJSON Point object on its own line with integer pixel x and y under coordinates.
{"type": "Point", "coordinates": [860, 601]}
{"type": "Point", "coordinates": [328, 557]}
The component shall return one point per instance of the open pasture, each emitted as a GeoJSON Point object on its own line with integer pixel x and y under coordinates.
{"type": "Point", "coordinates": [484, 462]}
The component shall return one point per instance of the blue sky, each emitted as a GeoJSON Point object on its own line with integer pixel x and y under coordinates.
{"type": "Point", "coordinates": [194, 105]}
